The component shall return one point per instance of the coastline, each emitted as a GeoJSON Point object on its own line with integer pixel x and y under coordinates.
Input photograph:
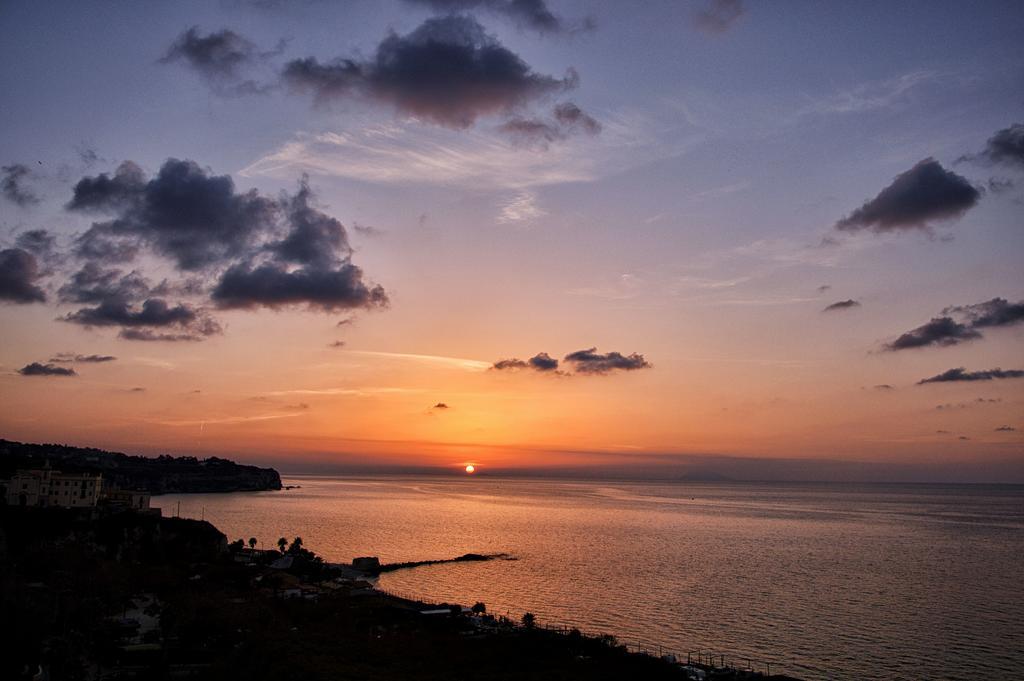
{"type": "Point", "coordinates": [726, 569]}
{"type": "Point", "coordinates": [180, 598]}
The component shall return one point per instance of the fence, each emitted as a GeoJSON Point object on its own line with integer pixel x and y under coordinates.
{"type": "Point", "coordinates": [703, 657]}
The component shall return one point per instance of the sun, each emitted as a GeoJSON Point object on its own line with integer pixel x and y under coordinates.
{"type": "Point", "coordinates": [470, 468]}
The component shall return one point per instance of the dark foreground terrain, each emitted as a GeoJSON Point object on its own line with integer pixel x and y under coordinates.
{"type": "Point", "coordinates": [156, 475]}
{"type": "Point", "coordinates": [129, 595]}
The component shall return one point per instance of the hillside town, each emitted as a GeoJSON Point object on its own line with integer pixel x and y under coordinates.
{"type": "Point", "coordinates": [47, 488]}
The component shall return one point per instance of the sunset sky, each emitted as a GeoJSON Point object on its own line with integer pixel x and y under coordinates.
{"type": "Point", "coordinates": [651, 238]}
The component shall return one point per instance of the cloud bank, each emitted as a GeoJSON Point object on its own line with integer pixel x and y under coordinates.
{"type": "Point", "coordinates": [235, 250]}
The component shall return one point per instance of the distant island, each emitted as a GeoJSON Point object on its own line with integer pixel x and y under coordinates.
{"type": "Point", "coordinates": [157, 475]}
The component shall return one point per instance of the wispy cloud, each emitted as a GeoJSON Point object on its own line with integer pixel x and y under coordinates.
{"type": "Point", "coordinates": [228, 419]}
{"type": "Point", "coordinates": [410, 153]}
{"type": "Point", "coordinates": [626, 286]}
{"type": "Point", "coordinates": [520, 208]}
{"type": "Point", "coordinates": [870, 95]}
{"type": "Point", "coordinates": [350, 392]}
{"type": "Point", "coordinates": [437, 360]}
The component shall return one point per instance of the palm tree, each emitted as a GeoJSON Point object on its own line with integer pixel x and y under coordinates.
{"type": "Point", "coordinates": [529, 620]}
{"type": "Point", "coordinates": [252, 543]}
{"type": "Point", "coordinates": [296, 545]}
{"type": "Point", "coordinates": [282, 544]}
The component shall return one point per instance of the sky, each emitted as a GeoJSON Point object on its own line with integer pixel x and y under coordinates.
{"type": "Point", "coordinates": [645, 239]}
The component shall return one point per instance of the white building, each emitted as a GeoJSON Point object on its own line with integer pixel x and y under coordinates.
{"type": "Point", "coordinates": [52, 488]}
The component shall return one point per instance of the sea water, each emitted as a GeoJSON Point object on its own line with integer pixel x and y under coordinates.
{"type": "Point", "coordinates": [836, 581]}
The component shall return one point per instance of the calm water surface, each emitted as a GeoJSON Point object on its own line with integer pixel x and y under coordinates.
{"type": "Point", "coordinates": [825, 581]}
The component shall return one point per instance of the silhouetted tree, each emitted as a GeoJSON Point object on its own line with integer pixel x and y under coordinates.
{"type": "Point", "coordinates": [282, 544]}
{"type": "Point", "coordinates": [479, 608]}
{"type": "Point", "coordinates": [529, 620]}
{"type": "Point", "coordinates": [252, 542]}
{"type": "Point", "coordinates": [296, 545]}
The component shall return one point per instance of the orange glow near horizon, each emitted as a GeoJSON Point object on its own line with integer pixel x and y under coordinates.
{"type": "Point", "coordinates": [470, 469]}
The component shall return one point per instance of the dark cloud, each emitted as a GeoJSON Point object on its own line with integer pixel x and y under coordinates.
{"type": "Point", "coordinates": [154, 312]}
{"type": "Point", "coordinates": [440, 405]}
{"type": "Point", "coordinates": [991, 313]}
{"type": "Point", "coordinates": [64, 357]}
{"type": "Point", "coordinates": [219, 57]}
{"type": "Point", "coordinates": [542, 362]}
{"type": "Point", "coordinates": [823, 288]}
{"type": "Point", "coordinates": [567, 119]}
{"type": "Point", "coordinates": [325, 278]}
{"type": "Point", "coordinates": [509, 364]}
{"type": "Point", "coordinates": [590, 362]}
{"type": "Point", "coordinates": [185, 213]}
{"type": "Point", "coordinates": [272, 285]}
{"type": "Point", "coordinates": [88, 156]}
{"type": "Point", "coordinates": [884, 386]}
{"type": "Point", "coordinates": [531, 131]}
{"type": "Point", "coordinates": [154, 320]}
{"type": "Point", "coordinates": [842, 305]}
{"type": "Point", "coordinates": [19, 272]}
{"type": "Point", "coordinates": [97, 246]}
{"type": "Point", "coordinates": [337, 344]}
{"type": "Point", "coordinates": [37, 369]}
{"type": "Point", "coordinates": [998, 185]}
{"type": "Point", "coordinates": [367, 230]}
{"type": "Point", "coordinates": [316, 239]}
{"type": "Point", "coordinates": [947, 330]}
{"type": "Point", "coordinates": [968, 405]}
{"type": "Point", "coordinates": [571, 117]}
{"type": "Point", "coordinates": [128, 301]}
{"type": "Point", "coordinates": [12, 179]}
{"type": "Point", "coordinates": [940, 331]}
{"type": "Point", "coordinates": [448, 71]}
{"type": "Point", "coordinates": [1006, 147]}
{"type": "Point", "coordinates": [137, 390]}
{"type": "Point", "coordinates": [149, 335]}
{"type": "Point", "coordinates": [37, 241]}
{"type": "Point", "coordinates": [964, 437]}
{"type": "Point", "coordinates": [1005, 429]}
{"type": "Point", "coordinates": [529, 14]}
{"type": "Point", "coordinates": [925, 193]}
{"type": "Point", "coordinates": [961, 374]}
{"type": "Point", "coordinates": [719, 16]}
{"type": "Point", "coordinates": [105, 193]}
{"type": "Point", "coordinates": [216, 55]}
{"type": "Point", "coordinates": [250, 251]}
{"type": "Point", "coordinates": [94, 284]}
